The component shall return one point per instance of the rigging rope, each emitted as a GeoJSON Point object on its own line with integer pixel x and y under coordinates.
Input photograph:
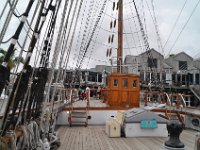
{"type": "Point", "coordinates": [140, 43]}
{"type": "Point", "coordinates": [11, 47]}
{"type": "Point", "coordinates": [128, 33]}
{"type": "Point", "coordinates": [61, 42]}
{"type": "Point", "coordinates": [51, 122]}
{"type": "Point", "coordinates": [7, 21]}
{"type": "Point", "coordinates": [49, 38]}
{"type": "Point", "coordinates": [64, 41]}
{"type": "Point", "coordinates": [57, 47]}
{"type": "Point", "coordinates": [90, 20]}
{"type": "Point", "coordinates": [40, 47]}
{"type": "Point", "coordinates": [17, 33]}
{"type": "Point", "coordinates": [70, 46]}
{"type": "Point", "coordinates": [175, 23]}
{"type": "Point", "coordinates": [57, 50]}
{"type": "Point", "coordinates": [22, 81]}
{"type": "Point", "coordinates": [67, 40]}
{"type": "Point", "coordinates": [13, 11]}
{"type": "Point", "coordinates": [41, 77]}
{"type": "Point", "coordinates": [83, 41]}
{"type": "Point", "coordinates": [184, 26]}
{"type": "Point", "coordinates": [111, 36]}
{"type": "Point", "coordinates": [26, 38]}
{"type": "Point", "coordinates": [93, 31]}
{"type": "Point", "coordinates": [150, 60]}
{"type": "Point", "coordinates": [134, 42]}
{"type": "Point", "coordinates": [157, 30]}
{"type": "Point", "coordinates": [3, 11]}
{"type": "Point", "coordinates": [79, 33]}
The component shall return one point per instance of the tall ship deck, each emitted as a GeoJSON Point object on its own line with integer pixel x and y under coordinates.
{"type": "Point", "coordinates": [99, 75]}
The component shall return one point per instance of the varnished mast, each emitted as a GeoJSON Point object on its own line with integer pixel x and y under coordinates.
{"type": "Point", "coordinates": [120, 36]}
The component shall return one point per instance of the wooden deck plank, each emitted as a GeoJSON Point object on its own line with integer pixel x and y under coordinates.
{"type": "Point", "coordinates": [91, 142]}
{"type": "Point", "coordinates": [68, 134]}
{"type": "Point", "coordinates": [120, 144]}
{"type": "Point", "coordinates": [151, 144]}
{"type": "Point", "coordinates": [135, 144]}
{"type": "Point", "coordinates": [76, 140]}
{"type": "Point", "coordinates": [63, 133]}
{"type": "Point", "coordinates": [84, 138]}
{"type": "Point", "coordinates": [188, 139]}
{"type": "Point", "coordinates": [102, 134]}
{"type": "Point", "coordinates": [98, 140]}
{"type": "Point", "coordinates": [95, 138]}
{"type": "Point", "coordinates": [61, 136]}
{"type": "Point", "coordinates": [73, 139]}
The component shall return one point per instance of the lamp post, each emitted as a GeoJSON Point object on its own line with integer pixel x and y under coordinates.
{"type": "Point", "coordinates": [86, 76]}
{"type": "Point", "coordinates": [104, 75]}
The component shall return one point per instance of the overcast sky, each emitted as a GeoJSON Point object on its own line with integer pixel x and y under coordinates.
{"type": "Point", "coordinates": [166, 13]}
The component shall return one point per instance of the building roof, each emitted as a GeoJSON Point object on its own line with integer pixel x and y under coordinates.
{"type": "Point", "coordinates": [165, 65]}
{"type": "Point", "coordinates": [180, 54]}
{"type": "Point", "coordinates": [151, 50]}
{"type": "Point", "coordinates": [197, 59]}
{"type": "Point", "coordinates": [130, 57]}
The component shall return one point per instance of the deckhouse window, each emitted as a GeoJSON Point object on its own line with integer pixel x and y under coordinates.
{"type": "Point", "coordinates": [134, 83]}
{"type": "Point", "coordinates": [115, 83]}
{"type": "Point", "coordinates": [125, 82]}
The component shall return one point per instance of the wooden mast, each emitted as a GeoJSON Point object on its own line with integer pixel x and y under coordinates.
{"type": "Point", "coordinates": [119, 93]}
{"type": "Point", "coordinates": [120, 36]}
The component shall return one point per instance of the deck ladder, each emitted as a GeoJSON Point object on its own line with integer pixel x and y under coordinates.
{"type": "Point", "coordinates": [77, 117]}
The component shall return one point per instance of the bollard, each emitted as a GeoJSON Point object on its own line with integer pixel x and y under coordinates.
{"type": "Point", "coordinates": [174, 128]}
